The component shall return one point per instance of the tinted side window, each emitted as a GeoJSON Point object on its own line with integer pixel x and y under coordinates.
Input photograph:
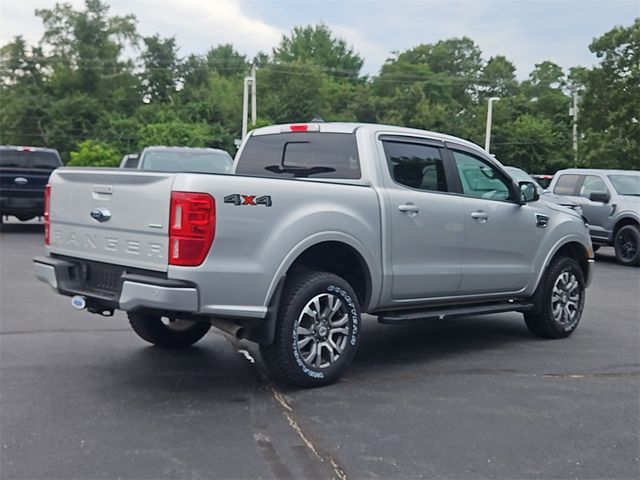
{"type": "Point", "coordinates": [480, 179]}
{"type": "Point", "coordinates": [416, 166]}
{"type": "Point", "coordinates": [566, 184]}
{"type": "Point", "coordinates": [299, 155]}
{"type": "Point", "coordinates": [592, 184]}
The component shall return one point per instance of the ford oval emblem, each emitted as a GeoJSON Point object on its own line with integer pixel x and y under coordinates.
{"type": "Point", "coordinates": [20, 181]}
{"type": "Point", "coordinates": [100, 214]}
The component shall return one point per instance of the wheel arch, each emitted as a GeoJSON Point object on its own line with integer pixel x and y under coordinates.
{"type": "Point", "coordinates": [571, 248]}
{"type": "Point", "coordinates": [578, 252]}
{"type": "Point", "coordinates": [623, 222]}
{"type": "Point", "coordinates": [332, 252]}
{"type": "Point", "coordinates": [341, 259]}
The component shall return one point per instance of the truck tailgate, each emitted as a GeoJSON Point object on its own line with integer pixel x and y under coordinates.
{"type": "Point", "coordinates": [110, 215]}
{"type": "Point", "coordinates": [30, 182]}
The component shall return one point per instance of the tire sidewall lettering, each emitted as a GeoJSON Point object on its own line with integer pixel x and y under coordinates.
{"type": "Point", "coordinates": [353, 338]}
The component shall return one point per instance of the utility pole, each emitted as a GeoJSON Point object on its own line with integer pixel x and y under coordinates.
{"type": "Point", "coordinates": [254, 107]}
{"type": "Point", "coordinates": [487, 135]}
{"type": "Point", "coordinates": [574, 111]}
{"type": "Point", "coordinates": [249, 81]}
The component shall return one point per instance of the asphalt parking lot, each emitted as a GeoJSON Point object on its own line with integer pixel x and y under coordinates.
{"type": "Point", "coordinates": [81, 396]}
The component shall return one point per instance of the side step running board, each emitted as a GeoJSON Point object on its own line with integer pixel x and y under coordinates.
{"type": "Point", "coordinates": [399, 316]}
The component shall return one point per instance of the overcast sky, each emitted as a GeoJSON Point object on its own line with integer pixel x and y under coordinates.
{"type": "Point", "coordinates": [525, 31]}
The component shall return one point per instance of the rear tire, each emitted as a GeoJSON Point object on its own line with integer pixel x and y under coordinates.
{"type": "Point", "coordinates": [627, 245]}
{"type": "Point", "coordinates": [175, 333]}
{"type": "Point", "coordinates": [317, 330]}
{"type": "Point", "coordinates": [559, 300]}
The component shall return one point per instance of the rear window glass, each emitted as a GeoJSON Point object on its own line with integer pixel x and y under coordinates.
{"type": "Point", "coordinates": [187, 161]}
{"type": "Point", "coordinates": [566, 184]}
{"type": "Point", "coordinates": [300, 155]}
{"type": "Point", "coordinates": [29, 159]}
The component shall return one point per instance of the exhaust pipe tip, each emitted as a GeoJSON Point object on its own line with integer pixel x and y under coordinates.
{"type": "Point", "coordinates": [228, 327]}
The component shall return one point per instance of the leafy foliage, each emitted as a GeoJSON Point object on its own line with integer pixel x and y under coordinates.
{"type": "Point", "coordinates": [611, 101]}
{"type": "Point", "coordinates": [316, 44]}
{"type": "Point", "coordinates": [96, 154]}
{"type": "Point", "coordinates": [79, 91]}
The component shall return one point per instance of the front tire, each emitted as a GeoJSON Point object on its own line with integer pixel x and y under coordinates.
{"type": "Point", "coordinates": [626, 244]}
{"type": "Point", "coordinates": [317, 330]}
{"type": "Point", "coordinates": [559, 300]}
{"type": "Point", "coordinates": [167, 333]}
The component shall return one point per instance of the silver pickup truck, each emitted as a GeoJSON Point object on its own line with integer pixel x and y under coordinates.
{"type": "Point", "coordinates": [318, 224]}
{"type": "Point", "coordinates": [610, 201]}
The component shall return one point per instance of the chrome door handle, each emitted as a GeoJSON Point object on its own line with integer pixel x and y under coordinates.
{"type": "Point", "coordinates": [408, 208]}
{"type": "Point", "coordinates": [480, 215]}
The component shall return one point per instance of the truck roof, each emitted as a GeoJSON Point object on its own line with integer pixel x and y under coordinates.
{"type": "Point", "coordinates": [351, 127]}
{"type": "Point", "coordinates": [162, 148]}
{"type": "Point", "coordinates": [28, 148]}
{"type": "Point", "coordinates": [601, 171]}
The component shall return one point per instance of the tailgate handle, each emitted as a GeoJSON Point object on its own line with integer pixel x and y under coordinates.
{"type": "Point", "coordinates": [105, 189]}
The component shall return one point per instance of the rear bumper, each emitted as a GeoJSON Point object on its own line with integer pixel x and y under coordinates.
{"type": "Point", "coordinates": [130, 291]}
{"type": "Point", "coordinates": [22, 205]}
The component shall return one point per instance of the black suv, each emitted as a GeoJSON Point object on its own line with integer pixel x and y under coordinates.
{"type": "Point", "coordinates": [24, 172]}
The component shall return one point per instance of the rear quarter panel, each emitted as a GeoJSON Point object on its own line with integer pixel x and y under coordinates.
{"type": "Point", "coordinates": [254, 245]}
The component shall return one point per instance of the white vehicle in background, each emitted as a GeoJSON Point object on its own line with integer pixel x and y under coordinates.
{"type": "Point", "coordinates": [130, 160]}
{"type": "Point", "coordinates": [181, 159]}
{"type": "Point", "coordinates": [520, 175]}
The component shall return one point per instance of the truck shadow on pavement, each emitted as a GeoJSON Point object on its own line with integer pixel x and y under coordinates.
{"type": "Point", "coordinates": [214, 369]}
{"type": "Point", "coordinates": [206, 371]}
{"type": "Point", "coordinates": [412, 349]}
{"type": "Point", "coordinates": [606, 255]}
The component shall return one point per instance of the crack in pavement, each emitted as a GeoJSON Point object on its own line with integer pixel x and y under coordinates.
{"type": "Point", "coordinates": [263, 442]}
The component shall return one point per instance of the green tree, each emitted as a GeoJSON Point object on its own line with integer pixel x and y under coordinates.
{"type": "Point", "coordinates": [610, 107]}
{"type": "Point", "coordinates": [160, 63]}
{"type": "Point", "coordinates": [226, 61]}
{"type": "Point", "coordinates": [94, 154]}
{"type": "Point", "coordinates": [87, 45]}
{"type": "Point", "coordinates": [531, 143]}
{"type": "Point", "coordinates": [291, 92]}
{"type": "Point", "coordinates": [316, 44]}
{"type": "Point", "coordinates": [498, 78]}
{"type": "Point", "coordinates": [181, 134]}
{"type": "Point", "coordinates": [24, 95]}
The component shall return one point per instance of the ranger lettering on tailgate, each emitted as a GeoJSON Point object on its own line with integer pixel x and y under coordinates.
{"type": "Point", "coordinates": [109, 244]}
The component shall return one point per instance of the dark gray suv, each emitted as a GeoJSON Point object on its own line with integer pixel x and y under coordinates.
{"type": "Point", "coordinates": [610, 201]}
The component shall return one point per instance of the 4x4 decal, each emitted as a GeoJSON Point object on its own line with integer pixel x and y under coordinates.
{"type": "Point", "coordinates": [240, 200]}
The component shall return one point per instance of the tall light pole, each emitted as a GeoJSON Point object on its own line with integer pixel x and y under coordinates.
{"type": "Point", "coordinates": [573, 111]}
{"type": "Point", "coordinates": [487, 135]}
{"type": "Point", "coordinates": [249, 82]}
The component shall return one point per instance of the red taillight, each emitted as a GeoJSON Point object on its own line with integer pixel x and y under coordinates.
{"type": "Point", "coordinates": [47, 220]}
{"type": "Point", "coordinates": [192, 226]}
{"type": "Point", "coordinates": [299, 128]}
